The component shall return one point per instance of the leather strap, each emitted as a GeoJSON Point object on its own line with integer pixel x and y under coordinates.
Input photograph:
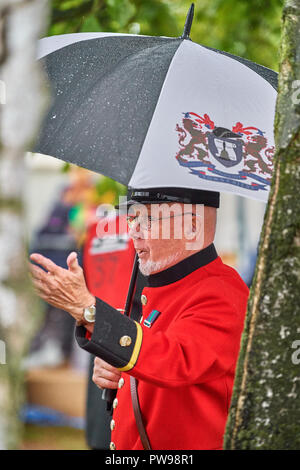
{"type": "Point", "coordinates": [137, 413]}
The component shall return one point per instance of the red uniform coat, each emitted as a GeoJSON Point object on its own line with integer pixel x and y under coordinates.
{"type": "Point", "coordinates": [185, 362]}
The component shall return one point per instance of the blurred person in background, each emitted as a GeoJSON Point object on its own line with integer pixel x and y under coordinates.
{"type": "Point", "coordinates": [107, 262]}
{"type": "Point", "coordinates": [62, 232]}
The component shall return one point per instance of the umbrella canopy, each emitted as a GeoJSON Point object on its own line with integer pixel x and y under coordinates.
{"type": "Point", "coordinates": [160, 112]}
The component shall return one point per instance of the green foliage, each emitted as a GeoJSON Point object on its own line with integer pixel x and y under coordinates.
{"type": "Point", "coordinates": [66, 167]}
{"type": "Point", "coordinates": [250, 29]}
{"type": "Point", "coordinates": [154, 17]}
{"type": "Point", "coordinates": [90, 23]}
{"type": "Point", "coordinates": [108, 185]}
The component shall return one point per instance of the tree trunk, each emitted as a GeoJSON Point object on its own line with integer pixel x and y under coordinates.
{"type": "Point", "coordinates": [22, 101]}
{"type": "Point", "coordinates": [265, 411]}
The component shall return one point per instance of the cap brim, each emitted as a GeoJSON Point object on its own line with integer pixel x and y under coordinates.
{"type": "Point", "coordinates": [171, 195]}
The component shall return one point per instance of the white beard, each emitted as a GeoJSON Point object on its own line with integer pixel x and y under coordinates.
{"type": "Point", "coordinates": [151, 267]}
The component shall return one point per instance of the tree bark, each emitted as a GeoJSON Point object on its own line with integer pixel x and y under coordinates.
{"type": "Point", "coordinates": [265, 411]}
{"type": "Point", "coordinates": [22, 102]}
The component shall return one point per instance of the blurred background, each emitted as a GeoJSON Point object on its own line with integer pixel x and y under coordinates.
{"type": "Point", "coordinates": [61, 202]}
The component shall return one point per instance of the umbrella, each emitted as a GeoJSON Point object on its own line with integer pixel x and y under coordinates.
{"type": "Point", "coordinates": [160, 112]}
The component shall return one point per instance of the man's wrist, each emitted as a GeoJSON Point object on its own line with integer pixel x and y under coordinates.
{"type": "Point", "coordinates": [91, 301]}
{"type": "Point", "coordinates": [80, 318]}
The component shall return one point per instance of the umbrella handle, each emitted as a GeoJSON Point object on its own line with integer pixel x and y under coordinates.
{"type": "Point", "coordinates": [109, 395]}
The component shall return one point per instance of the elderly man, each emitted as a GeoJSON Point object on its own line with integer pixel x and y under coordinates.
{"type": "Point", "coordinates": [183, 352]}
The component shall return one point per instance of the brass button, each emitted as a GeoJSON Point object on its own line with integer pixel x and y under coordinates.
{"type": "Point", "coordinates": [112, 446]}
{"type": "Point", "coordinates": [112, 425]}
{"type": "Point", "coordinates": [144, 299]}
{"type": "Point", "coordinates": [125, 340]}
{"type": "Point", "coordinates": [115, 403]}
{"type": "Point", "coordinates": [121, 382]}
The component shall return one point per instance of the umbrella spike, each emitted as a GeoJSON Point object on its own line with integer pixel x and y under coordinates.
{"type": "Point", "coordinates": [188, 23]}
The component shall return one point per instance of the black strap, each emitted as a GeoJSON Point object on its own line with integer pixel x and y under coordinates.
{"type": "Point", "coordinates": [137, 413]}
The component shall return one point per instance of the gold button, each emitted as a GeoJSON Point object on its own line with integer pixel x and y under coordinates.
{"type": "Point", "coordinates": [115, 403]}
{"type": "Point", "coordinates": [121, 382]}
{"type": "Point", "coordinates": [125, 341]}
{"type": "Point", "coordinates": [112, 446]}
{"type": "Point", "coordinates": [144, 299]}
{"type": "Point", "coordinates": [112, 425]}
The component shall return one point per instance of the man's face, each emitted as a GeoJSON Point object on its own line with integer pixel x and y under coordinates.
{"type": "Point", "coordinates": [160, 241]}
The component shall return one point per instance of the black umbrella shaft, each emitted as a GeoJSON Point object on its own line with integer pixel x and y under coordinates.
{"type": "Point", "coordinates": [131, 286]}
{"type": "Point", "coordinates": [108, 394]}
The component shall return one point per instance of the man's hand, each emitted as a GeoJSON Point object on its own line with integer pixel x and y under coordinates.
{"type": "Point", "coordinates": [63, 288]}
{"type": "Point", "coordinates": [105, 375]}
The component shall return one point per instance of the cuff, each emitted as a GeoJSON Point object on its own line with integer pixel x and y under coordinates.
{"type": "Point", "coordinates": [116, 338]}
